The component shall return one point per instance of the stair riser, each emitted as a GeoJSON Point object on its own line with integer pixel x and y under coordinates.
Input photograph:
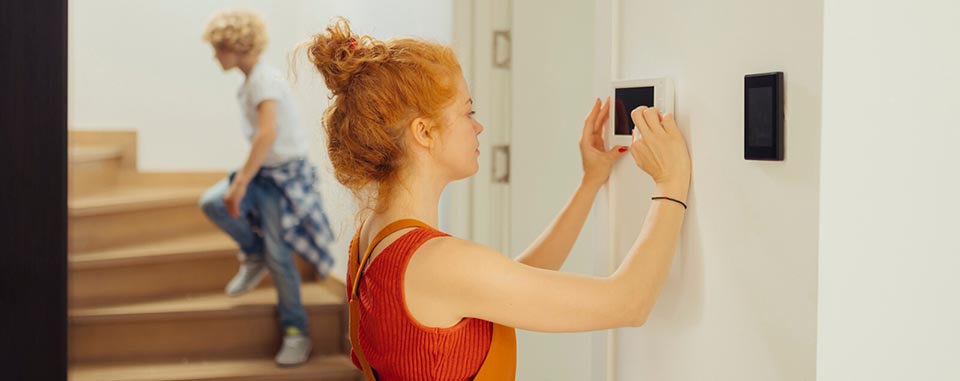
{"type": "Point", "coordinates": [178, 339]}
{"type": "Point", "coordinates": [93, 176]}
{"type": "Point", "coordinates": [356, 377]}
{"type": "Point", "coordinates": [130, 227]}
{"type": "Point", "coordinates": [152, 281]}
{"type": "Point", "coordinates": [151, 373]}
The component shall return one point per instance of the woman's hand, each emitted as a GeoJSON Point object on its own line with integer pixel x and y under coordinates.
{"type": "Point", "coordinates": [597, 163]}
{"type": "Point", "coordinates": [233, 197]}
{"type": "Point", "coordinates": [660, 149]}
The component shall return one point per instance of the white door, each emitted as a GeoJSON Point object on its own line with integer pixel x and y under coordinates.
{"type": "Point", "coordinates": [553, 89]}
{"type": "Point", "coordinates": [481, 37]}
{"type": "Point", "coordinates": [530, 68]}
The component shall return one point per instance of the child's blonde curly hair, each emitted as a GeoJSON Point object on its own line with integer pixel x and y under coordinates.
{"type": "Point", "coordinates": [237, 30]}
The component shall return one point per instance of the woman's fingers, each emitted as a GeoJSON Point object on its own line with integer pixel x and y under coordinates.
{"type": "Point", "coordinates": [592, 117]}
{"type": "Point", "coordinates": [638, 120]}
{"type": "Point", "coordinates": [590, 122]}
{"type": "Point", "coordinates": [652, 117]}
{"type": "Point", "coordinates": [601, 121]}
{"type": "Point", "coordinates": [637, 147]}
{"type": "Point", "coordinates": [602, 118]}
{"type": "Point", "coordinates": [670, 124]}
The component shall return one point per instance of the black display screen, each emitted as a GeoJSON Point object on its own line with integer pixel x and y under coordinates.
{"type": "Point", "coordinates": [760, 117]}
{"type": "Point", "coordinates": [625, 101]}
{"type": "Point", "coordinates": [763, 117]}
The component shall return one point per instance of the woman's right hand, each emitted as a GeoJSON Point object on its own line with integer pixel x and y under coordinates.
{"type": "Point", "coordinates": [660, 149]}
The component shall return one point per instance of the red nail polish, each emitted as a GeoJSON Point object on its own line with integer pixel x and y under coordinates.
{"type": "Point", "coordinates": [623, 149]}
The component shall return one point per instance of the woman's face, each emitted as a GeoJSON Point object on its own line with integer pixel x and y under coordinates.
{"type": "Point", "coordinates": [458, 151]}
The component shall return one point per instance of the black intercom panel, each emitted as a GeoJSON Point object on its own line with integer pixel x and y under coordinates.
{"type": "Point", "coordinates": [628, 99]}
{"type": "Point", "coordinates": [763, 117]}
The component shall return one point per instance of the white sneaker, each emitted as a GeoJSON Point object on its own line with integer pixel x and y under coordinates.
{"type": "Point", "coordinates": [250, 275]}
{"type": "Point", "coordinates": [295, 349]}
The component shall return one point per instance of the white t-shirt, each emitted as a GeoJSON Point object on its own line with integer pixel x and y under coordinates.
{"type": "Point", "coordinates": [267, 83]}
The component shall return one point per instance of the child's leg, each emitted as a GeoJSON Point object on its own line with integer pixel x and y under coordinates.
{"type": "Point", "coordinates": [238, 228]}
{"type": "Point", "coordinates": [280, 260]}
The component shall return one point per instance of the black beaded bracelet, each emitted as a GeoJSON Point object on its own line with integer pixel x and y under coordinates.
{"type": "Point", "coordinates": [668, 198]}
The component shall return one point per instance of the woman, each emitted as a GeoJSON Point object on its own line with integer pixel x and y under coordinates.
{"type": "Point", "coordinates": [429, 306]}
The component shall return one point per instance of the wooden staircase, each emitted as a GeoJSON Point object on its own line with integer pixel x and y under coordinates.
{"type": "Point", "coordinates": [147, 272]}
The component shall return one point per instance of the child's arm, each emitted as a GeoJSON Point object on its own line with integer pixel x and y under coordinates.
{"type": "Point", "coordinates": [262, 143]}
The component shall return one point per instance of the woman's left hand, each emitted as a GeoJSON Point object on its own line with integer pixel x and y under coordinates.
{"type": "Point", "coordinates": [597, 163]}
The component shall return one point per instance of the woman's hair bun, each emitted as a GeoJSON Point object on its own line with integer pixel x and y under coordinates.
{"type": "Point", "coordinates": [340, 55]}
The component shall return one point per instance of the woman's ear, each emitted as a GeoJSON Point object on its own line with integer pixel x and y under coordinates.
{"type": "Point", "coordinates": [422, 132]}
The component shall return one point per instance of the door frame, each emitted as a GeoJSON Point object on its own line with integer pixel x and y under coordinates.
{"type": "Point", "coordinates": [33, 123]}
{"type": "Point", "coordinates": [479, 206]}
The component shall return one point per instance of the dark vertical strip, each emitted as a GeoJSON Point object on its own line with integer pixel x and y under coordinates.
{"type": "Point", "coordinates": [33, 189]}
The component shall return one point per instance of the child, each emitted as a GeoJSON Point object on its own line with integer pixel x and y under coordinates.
{"type": "Point", "coordinates": [270, 206]}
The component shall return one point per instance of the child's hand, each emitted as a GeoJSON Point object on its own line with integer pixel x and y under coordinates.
{"type": "Point", "coordinates": [231, 200]}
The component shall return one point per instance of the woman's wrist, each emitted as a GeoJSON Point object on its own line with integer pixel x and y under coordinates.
{"type": "Point", "coordinates": [590, 184]}
{"type": "Point", "coordinates": [675, 190]}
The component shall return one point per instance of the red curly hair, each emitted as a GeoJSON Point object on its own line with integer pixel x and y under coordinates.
{"type": "Point", "coordinates": [378, 88]}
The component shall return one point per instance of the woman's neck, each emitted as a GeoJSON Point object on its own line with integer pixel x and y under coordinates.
{"type": "Point", "coordinates": [417, 198]}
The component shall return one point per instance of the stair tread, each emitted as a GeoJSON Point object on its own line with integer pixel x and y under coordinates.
{"type": "Point", "coordinates": [314, 295]}
{"type": "Point", "coordinates": [169, 249]}
{"type": "Point", "coordinates": [125, 198]}
{"type": "Point", "coordinates": [84, 154]}
{"type": "Point", "coordinates": [317, 368]}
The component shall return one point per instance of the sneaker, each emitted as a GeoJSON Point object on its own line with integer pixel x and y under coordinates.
{"type": "Point", "coordinates": [295, 349]}
{"type": "Point", "coordinates": [250, 275]}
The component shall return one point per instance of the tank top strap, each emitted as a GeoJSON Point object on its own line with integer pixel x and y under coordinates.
{"type": "Point", "coordinates": [500, 362]}
{"type": "Point", "coordinates": [357, 265]}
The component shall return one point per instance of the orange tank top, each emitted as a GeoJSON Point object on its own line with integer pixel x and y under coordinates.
{"type": "Point", "coordinates": [396, 346]}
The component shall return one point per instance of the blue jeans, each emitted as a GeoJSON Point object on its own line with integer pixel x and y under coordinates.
{"type": "Point", "coordinates": [266, 246]}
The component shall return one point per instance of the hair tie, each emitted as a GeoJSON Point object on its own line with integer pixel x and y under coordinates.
{"type": "Point", "coordinates": [670, 199]}
{"type": "Point", "coordinates": [353, 44]}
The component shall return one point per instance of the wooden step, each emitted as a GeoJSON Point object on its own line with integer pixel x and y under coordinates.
{"type": "Point", "coordinates": [93, 169]}
{"type": "Point", "coordinates": [318, 368]}
{"type": "Point", "coordinates": [86, 154]}
{"type": "Point", "coordinates": [178, 267]}
{"type": "Point", "coordinates": [100, 159]}
{"type": "Point", "coordinates": [129, 215]}
{"type": "Point", "coordinates": [182, 248]}
{"type": "Point", "coordinates": [123, 141]}
{"type": "Point", "coordinates": [133, 198]}
{"type": "Point", "coordinates": [204, 327]}
{"type": "Point", "coordinates": [180, 179]}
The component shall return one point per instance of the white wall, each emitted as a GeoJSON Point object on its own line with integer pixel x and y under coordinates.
{"type": "Point", "coordinates": [740, 302]}
{"type": "Point", "coordinates": [143, 65]}
{"type": "Point", "coordinates": [889, 304]}
{"type": "Point", "coordinates": [552, 74]}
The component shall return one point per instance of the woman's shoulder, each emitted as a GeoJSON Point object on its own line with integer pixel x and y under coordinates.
{"type": "Point", "coordinates": [443, 249]}
{"type": "Point", "coordinates": [419, 236]}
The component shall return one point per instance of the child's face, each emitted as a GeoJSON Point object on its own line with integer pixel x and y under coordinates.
{"type": "Point", "coordinates": [228, 59]}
